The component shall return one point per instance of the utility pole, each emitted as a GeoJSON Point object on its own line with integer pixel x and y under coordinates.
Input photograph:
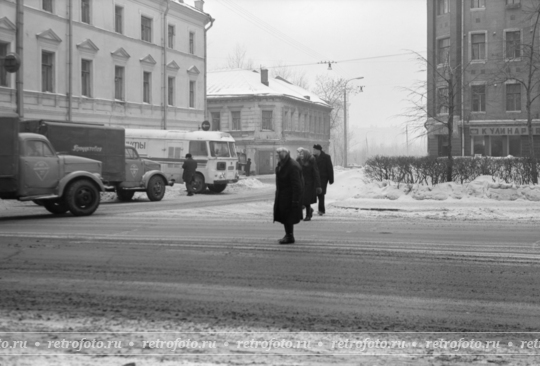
{"type": "Point", "coordinates": [345, 120]}
{"type": "Point", "coordinates": [19, 37]}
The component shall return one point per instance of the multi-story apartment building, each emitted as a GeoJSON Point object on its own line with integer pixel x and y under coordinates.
{"type": "Point", "coordinates": [483, 41]}
{"type": "Point", "coordinates": [133, 63]}
{"type": "Point", "coordinates": [263, 113]}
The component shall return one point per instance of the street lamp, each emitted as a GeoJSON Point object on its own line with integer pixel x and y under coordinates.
{"type": "Point", "coordinates": [345, 120]}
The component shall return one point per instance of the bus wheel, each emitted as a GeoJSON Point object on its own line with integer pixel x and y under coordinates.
{"type": "Point", "coordinates": [198, 183]}
{"type": "Point", "coordinates": [217, 188]}
{"type": "Point", "coordinates": [124, 195]}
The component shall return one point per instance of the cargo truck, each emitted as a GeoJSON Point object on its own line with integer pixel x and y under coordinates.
{"type": "Point", "coordinates": [31, 170]}
{"type": "Point", "coordinates": [123, 170]}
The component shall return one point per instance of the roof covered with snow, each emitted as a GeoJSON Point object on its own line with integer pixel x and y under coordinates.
{"type": "Point", "coordinates": [242, 83]}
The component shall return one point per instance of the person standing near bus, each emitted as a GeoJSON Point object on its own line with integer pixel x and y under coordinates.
{"type": "Point", "coordinates": [189, 166]}
{"type": "Point", "coordinates": [248, 167]}
{"type": "Point", "coordinates": [289, 190]}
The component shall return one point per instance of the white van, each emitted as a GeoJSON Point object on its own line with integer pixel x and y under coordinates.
{"type": "Point", "coordinates": [214, 151]}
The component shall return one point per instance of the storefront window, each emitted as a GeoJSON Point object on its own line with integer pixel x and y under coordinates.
{"type": "Point", "coordinates": [478, 145]}
{"type": "Point", "coordinates": [514, 145]}
{"type": "Point", "coordinates": [443, 145]}
{"type": "Point", "coordinates": [497, 146]}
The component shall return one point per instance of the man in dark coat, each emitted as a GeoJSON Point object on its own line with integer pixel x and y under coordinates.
{"type": "Point", "coordinates": [312, 182]}
{"type": "Point", "coordinates": [287, 204]}
{"type": "Point", "coordinates": [248, 167]}
{"type": "Point", "coordinates": [189, 166]}
{"type": "Point", "coordinates": [326, 172]}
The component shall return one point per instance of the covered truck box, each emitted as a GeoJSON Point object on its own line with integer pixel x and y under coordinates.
{"type": "Point", "coordinates": [98, 142]}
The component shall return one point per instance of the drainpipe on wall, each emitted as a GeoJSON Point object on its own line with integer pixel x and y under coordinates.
{"type": "Point", "coordinates": [19, 75]}
{"type": "Point", "coordinates": [164, 70]}
{"type": "Point", "coordinates": [70, 62]}
{"type": "Point", "coordinates": [205, 72]}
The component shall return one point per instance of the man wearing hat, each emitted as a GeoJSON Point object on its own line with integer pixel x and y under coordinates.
{"type": "Point", "coordinates": [326, 173]}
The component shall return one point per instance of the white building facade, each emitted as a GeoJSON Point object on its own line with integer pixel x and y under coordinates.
{"type": "Point", "coordinates": [134, 63]}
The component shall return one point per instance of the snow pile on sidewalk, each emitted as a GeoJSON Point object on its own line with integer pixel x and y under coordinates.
{"type": "Point", "coordinates": [247, 184]}
{"type": "Point", "coordinates": [352, 183]}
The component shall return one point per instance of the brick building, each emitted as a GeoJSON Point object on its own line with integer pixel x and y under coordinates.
{"type": "Point", "coordinates": [481, 38]}
{"type": "Point", "coordinates": [263, 113]}
{"type": "Point", "coordinates": [134, 63]}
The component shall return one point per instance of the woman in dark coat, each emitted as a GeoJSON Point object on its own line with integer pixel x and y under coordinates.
{"type": "Point", "coordinates": [312, 181]}
{"type": "Point", "coordinates": [288, 205]}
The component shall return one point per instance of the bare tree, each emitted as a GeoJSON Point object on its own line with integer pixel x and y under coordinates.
{"type": "Point", "coordinates": [291, 75]}
{"type": "Point", "coordinates": [332, 90]}
{"type": "Point", "coordinates": [527, 54]}
{"type": "Point", "coordinates": [238, 59]}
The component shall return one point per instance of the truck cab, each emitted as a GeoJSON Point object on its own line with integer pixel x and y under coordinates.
{"type": "Point", "coordinates": [31, 170]}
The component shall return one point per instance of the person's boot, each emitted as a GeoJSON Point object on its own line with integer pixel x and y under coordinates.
{"type": "Point", "coordinates": [287, 239]}
{"type": "Point", "coordinates": [309, 214]}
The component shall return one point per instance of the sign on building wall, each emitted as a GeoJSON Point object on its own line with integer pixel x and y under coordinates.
{"type": "Point", "coordinates": [502, 130]}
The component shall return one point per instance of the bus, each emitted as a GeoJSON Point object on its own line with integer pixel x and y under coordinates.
{"type": "Point", "coordinates": [214, 151]}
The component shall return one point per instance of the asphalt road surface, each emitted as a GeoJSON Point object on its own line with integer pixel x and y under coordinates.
{"type": "Point", "coordinates": [347, 275]}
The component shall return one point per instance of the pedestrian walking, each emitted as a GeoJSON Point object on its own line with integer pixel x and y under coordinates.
{"type": "Point", "coordinates": [287, 203]}
{"type": "Point", "coordinates": [189, 166]}
{"type": "Point", "coordinates": [248, 167]}
{"type": "Point", "coordinates": [326, 173]}
{"type": "Point", "coordinates": [312, 181]}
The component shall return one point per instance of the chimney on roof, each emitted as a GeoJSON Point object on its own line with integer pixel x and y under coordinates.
{"type": "Point", "coordinates": [264, 77]}
{"type": "Point", "coordinates": [307, 97]}
{"type": "Point", "coordinates": [199, 5]}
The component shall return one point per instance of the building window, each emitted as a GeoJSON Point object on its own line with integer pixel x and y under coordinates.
{"type": "Point", "coordinates": [513, 97]}
{"type": "Point", "coordinates": [118, 83]}
{"type": "Point", "coordinates": [86, 78]}
{"type": "Point", "coordinates": [513, 2]}
{"type": "Point", "coordinates": [478, 145]}
{"type": "Point", "coordinates": [514, 145]}
{"type": "Point", "coordinates": [285, 124]}
{"type": "Point", "coordinates": [478, 98]}
{"type": "Point", "coordinates": [478, 46]}
{"type": "Point", "coordinates": [443, 7]}
{"type": "Point", "coordinates": [146, 29]}
{"type": "Point", "coordinates": [443, 145]}
{"type": "Point", "coordinates": [119, 19]}
{"type": "Point", "coordinates": [267, 120]}
{"type": "Point", "coordinates": [171, 81]}
{"type": "Point", "coordinates": [443, 50]}
{"type": "Point", "coordinates": [191, 94]}
{"type": "Point", "coordinates": [47, 5]}
{"type": "Point", "coordinates": [496, 145]}
{"type": "Point", "coordinates": [236, 121]}
{"type": "Point", "coordinates": [147, 77]}
{"type": "Point", "coordinates": [442, 101]}
{"type": "Point", "coordinates": [216, 121]}
{"type": "Point", "coordinates": [170, 39]}
{"type": "Point", "coordinates": [513, 44]}
{"type": "Point", "coordinates": [47, 71]}
{"type": "Point", "coordinates": [477, 4]}
{"type": "Point", "coordinates": [3, 73]}
{"type": "Point", "coordinates": [85, 11]}
{"type": "Point", "coordinates": [192, 43]}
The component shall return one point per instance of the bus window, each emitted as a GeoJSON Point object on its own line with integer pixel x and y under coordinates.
{"type": "Point", "coordinates": [198, 148]}
{"type": "Point", "coordinates": [232, 149]}
{"type": "Point", "coordinates": [219, 149]}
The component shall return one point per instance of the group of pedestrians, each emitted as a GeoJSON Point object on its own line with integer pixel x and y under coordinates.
{"type": "Point", "coordinates": [299, 184]}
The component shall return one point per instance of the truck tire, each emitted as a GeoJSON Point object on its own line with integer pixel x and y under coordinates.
{"type": "Point", "coordinates": [217, 188]}
{"type": "Point", "coordinates": [198, 183]}
{"type": "Point", "coordinates": [124, 195]}
{"type": "Point", "coordinates": [82, 197]}
{"type": "Point", "coordinates": [57, 207]}
{"type": "Point", "coordinates": [156, 188]}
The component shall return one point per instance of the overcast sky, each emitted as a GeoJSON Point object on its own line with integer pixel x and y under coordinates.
{"type": "Point", "coordinates": [354, 33]}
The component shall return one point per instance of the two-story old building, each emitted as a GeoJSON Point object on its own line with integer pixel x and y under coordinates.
{"type": "Point", "coordinates": [263, 113]}
{"type": "Point", "coordinates": [131, 63]}
{"type": "Point", "coordinates": [485, 42]}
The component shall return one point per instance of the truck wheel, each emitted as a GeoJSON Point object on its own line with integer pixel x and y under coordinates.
{"type": "Point", "coordinates": [198, 183]}
{"type": "Point", "coordinates": [156, 188]}
{"type": "Point", "coordinates": [57, 207]}
{"type": "Point", "coordinates": [82, 197]}
{"type": "Point", "coordinates": [217, 188]}
{"type": "Point", "coordinates": [124, 195]}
